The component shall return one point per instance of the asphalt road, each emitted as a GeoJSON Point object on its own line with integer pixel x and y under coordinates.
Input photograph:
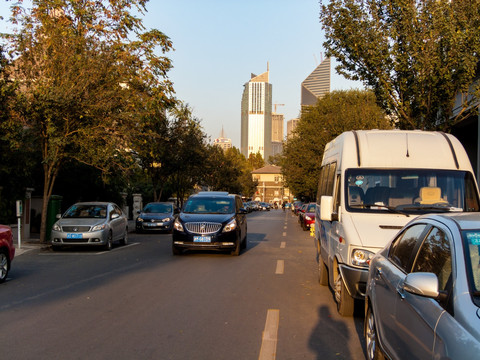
{"type": "Point", "coordinates": [141, 302]}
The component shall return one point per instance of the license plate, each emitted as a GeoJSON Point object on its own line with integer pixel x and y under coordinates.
{"type": "Point", "coordinates": [151, 224]}
{"type": "Point", "coordinates": [74, 236]}
{"type": "Point", "coordinates": [202, 239]}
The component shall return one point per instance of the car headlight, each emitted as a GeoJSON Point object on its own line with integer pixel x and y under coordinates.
{"type": "Point", "coordinates": [361, 257]}
{"type": "Point", "coordinates": [56, 227]}
{"type": "Point", "coordinates": [99, 227]}
{"type": "Point", "coordinates": [308, 218]}
{"type": "Point", "coordinates": [178, 225]}
{"type": "Point", "coordinates": [139, 219]}
{"type": "Point", "coordinates": [232, 225]}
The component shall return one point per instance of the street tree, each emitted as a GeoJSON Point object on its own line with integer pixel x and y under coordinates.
{"type": "Point", "coordinates": [256, 160]}
{"type": "Point", "coordinates": [416, 56]}
{"type": "Point", "coordinates": [87, 69]}
{"type": "Point", "coordinates": [335, 113]}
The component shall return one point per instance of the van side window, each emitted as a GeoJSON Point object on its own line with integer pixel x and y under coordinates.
{"type": "Point", "coordinates": [337, 197]}
{"type": "Point", "coordinates": [326, 181]}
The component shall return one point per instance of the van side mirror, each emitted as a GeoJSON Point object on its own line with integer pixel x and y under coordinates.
{"type": "Point", "coordinates": [326, 208]}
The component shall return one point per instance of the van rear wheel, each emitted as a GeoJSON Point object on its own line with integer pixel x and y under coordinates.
{"type": "Point", "coordinates": [345, 303]}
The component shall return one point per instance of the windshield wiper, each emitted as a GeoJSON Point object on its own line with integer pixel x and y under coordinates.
{"type": "Point", "coordinates": [389, 208]}
{"type": "Point", "coordinates": [439, 207]}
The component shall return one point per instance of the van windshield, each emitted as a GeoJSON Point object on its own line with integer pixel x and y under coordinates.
{"type": "Point", "coordinates": [410, 190]}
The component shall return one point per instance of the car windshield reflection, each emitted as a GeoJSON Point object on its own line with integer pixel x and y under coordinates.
{"type": "Point", "coordinates": [87, 211]}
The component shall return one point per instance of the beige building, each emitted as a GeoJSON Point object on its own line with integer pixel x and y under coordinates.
{"type": "Point", "coordinates": [270, 186]}
{"type": "Point", "coordinates": [223, 142]}
{"type": "Point", "coordinates": [291, 125]}
{"type": "Point", "coordinates": [277, 133]}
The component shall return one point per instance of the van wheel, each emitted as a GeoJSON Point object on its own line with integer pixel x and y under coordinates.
{"type": "Point", "coordinates": [345, 303]}
{"type": "Point", "coordinates": [322, 272]}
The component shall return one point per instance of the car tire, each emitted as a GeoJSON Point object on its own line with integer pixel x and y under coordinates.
{"type": "Point", "coordinates": [371, 338]}
{"type": "Point", "coordinates": [345, 303]}
{"type": "Point", "coordinates": [176, 250]}
{"type": "Point", "coordinates": [108, 246]}
{"type": "Point", "coordinates": [322, 272]}
{"type": "Point", "coordinates": [4, 266]}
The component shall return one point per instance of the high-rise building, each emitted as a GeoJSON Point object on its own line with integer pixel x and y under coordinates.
{"type": "Point", "coordinates": [222, 141]}
{"type": "Point", "coordinates": [256, 115]}
{"type": "Point", "coordinates": [277, 133]}
{"type": "Point", "coordinates": [291, 125]}
{"type": "Point", "coordinates": [317, 84]}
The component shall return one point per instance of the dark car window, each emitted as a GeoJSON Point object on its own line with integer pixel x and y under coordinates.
{"type": "Point", "coordinates": [86, 211]}
{"type": "Point", "coordinates": [158, 208]}
{"type": "Point", "coordinates": [435, 257]}
{"type": "Point", "coordinates": [401, 249]}
{"type": "Point", "coordinates": [207, 205]}
{"type": "Point", "coordinates": [311, 208]}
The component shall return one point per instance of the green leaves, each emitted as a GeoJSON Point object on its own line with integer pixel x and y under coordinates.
{"type": "Point", "coordinates": [415, 55]}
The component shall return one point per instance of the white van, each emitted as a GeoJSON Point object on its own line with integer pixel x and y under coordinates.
{"type": "Point", "coordinates": [372, 183]}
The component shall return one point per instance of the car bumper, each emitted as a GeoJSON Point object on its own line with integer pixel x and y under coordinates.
{"type": "Point", "coordinates": [355, 280]}
{"type": "Point", "coordinates": [149, 226]}
{"type": "Point", "coordinates": [59, 238]}
{"type": "Point", "coordinates": [217, 241]}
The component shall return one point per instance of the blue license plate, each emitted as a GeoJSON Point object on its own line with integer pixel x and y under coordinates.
{"type": "Point", "coordinates": [202, 239]}
{"type": "Point", "coordinates": [74, 236]}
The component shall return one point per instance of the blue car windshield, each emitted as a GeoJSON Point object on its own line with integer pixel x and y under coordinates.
{"type": "Point", "coordinates": [410, 190]}
{"type": "Point", "coordinates": [207, 205]}
{"type": "Point", "coordinates": [86, 211]}
{"type": "Point", "coordinates": [158, 208]}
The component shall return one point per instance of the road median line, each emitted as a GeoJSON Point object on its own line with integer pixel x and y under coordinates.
{"type": "Point", "coordinates": [268, 350]}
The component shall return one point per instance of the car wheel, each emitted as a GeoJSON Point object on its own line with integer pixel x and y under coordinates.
{"type": "Point", "coordinates": [176, 250]}
{"type": "Point", "coordinates": [345, 303]}
{"type": "Point", "coordinates": [125, 238]}
{"type": "Point", "coordinates": [109, 245]}
{"type": "Point", "coordinates": [4, 266]}
{"type": "Point", "coordinates": [322, 272]}
{"type": "Point", "coordinates": [371, 338]}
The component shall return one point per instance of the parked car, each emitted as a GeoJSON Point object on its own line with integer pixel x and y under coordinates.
{"type": "Point", "coordinates": [156, 216]}
{"type": "Point", "coordinates": [308, 217]}
{"type": "Point", "coordinates": [7, 251]}
{"type": "Point", "coordinates": [423, 291]}
{"type": "Point", "coordinates": [92, 224]}
{"type": "Point", "coordinates": [296, 206]}
{"type": "Point", "coordinates": [301, 212]}
{"type": "Point", "coordinates": [211, 221]}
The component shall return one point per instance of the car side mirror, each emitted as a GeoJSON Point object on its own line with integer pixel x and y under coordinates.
{"type": "Point", "coordinates": [58, 216]}
{"type": "Point", "coordinates": [423, 284]}
{"type": "Point", "coordinates": [114, 216]}
{"type": "Point", "coordinates": [242, 211]}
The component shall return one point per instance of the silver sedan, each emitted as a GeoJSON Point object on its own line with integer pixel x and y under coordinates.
{"type": "Point", "coordinates": [423, 291]}
{"type": "Point", "coordinates": [93, 224]}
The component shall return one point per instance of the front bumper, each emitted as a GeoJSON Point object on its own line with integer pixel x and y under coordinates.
{"type": "Point", "coordinates": [153, 226]}
{"type": "Point", "coordinates": [355, 280]}
{"type": "Point", "coordinates": [94, 238]}
{"type": "Point", "coordinates": [218, 241]}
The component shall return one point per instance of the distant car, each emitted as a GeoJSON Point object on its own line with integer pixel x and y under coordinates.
{"type": "Point", "coordinates": [156, 216]}
{"type": "Point", "coordinates": [265, 206]}
{"type": "Point", "coordinates": [296, 206]}
{"type": "Point", "coordinates": [423, 291]}
{"type": "Point", "coordinates": [211, 221]}
{"type": "Point", "coordinates": [90, 223]}
{"type": "Point", "coordinates": [7, 251]}
{"type": "Point", "coordinates": [301, 213]}
{"type": "Point", "coordinates": [308, 216]}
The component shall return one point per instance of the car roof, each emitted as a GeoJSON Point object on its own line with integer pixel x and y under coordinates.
{"type": "Point", "coordinates": [212, 193]}
{"type": "Point", "coordinates": [464, 220]}
{"type": "Point", "coordinates": [94, 203]}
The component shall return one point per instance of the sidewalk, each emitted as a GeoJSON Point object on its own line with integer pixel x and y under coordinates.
{"type": "Point", "coordinates": [33, 242]}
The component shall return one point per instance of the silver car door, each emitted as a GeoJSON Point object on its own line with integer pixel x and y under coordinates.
{"type": "Point", "coordinates": [388, 279]}
{"type": "Point", "coordinates": [418, 316]}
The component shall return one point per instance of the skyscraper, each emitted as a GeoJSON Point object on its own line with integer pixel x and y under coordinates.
{"type": "Point", "coordinates": [223, 142]}
{"type": "Point", "coordinates": [291, 125]}
{"type": "Point", "coordinates": [317, 84]}
{"type": "Point", "coordinates": [256, 116]}
{"type": "Point", "coordinates": [277, 133]}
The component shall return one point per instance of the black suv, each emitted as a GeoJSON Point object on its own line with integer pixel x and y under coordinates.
{"type": "Point", "coordinates": [211, 221]}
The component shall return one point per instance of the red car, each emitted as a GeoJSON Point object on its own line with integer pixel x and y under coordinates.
{"type": "Point", "coordinates": [308, 217]}
{"type": "Point", "coordinates": [7, 251]}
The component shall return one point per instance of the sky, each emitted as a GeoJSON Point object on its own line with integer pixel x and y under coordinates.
{"type": "Point", "coordinates": [220, 43]}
